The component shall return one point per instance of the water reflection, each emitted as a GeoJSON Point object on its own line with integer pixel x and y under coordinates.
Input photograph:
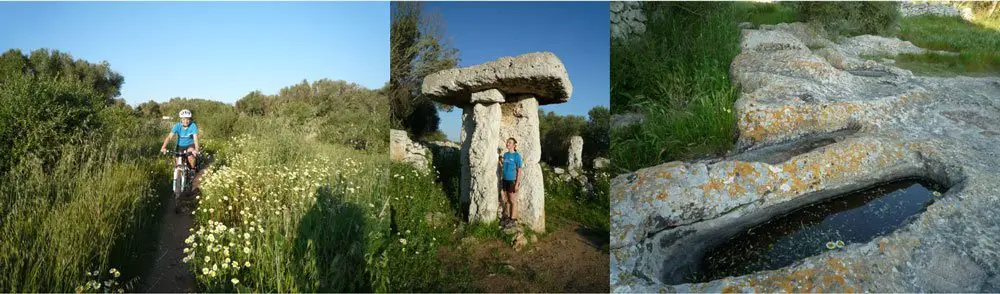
{"type": "Point", "coordinates": [857, 217]}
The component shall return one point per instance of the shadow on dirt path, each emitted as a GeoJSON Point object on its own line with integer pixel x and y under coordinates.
{"type": "Point", "coordinates": [169, 274]}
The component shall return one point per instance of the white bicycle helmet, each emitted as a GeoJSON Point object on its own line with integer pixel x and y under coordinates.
{"type": "Point", "coordinates": [185, 113]}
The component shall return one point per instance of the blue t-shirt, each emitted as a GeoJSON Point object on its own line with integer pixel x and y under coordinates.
{"type": "Point", "coordinates": [185, 136]}
{"type": "Point", "coordinates": [511, 162]}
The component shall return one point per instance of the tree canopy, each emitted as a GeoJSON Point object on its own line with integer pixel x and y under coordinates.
{"type": "Point", "coordinates": [556, 130]}
{"type": "Point", "coordinates": [60, 66]}
{"type": "Point", "coordinates": [417, 50]}
{"type": "Point", "coordinates": [48, 99]}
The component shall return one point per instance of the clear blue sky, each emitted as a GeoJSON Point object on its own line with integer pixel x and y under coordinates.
{"type": "Point", "coordinates": [219, 51]}
{"type": "Point", "coordinates": [577, 32]}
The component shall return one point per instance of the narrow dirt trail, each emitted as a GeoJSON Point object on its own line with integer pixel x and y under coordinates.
{"type": "Point", "coordinates": [169, 274]}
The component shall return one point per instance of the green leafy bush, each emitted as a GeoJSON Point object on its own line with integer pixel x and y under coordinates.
{"type": "Point", "coordinates": [555, 132]}
{"type": "Point", "coordinates": [852, 18]}
{"type": "Point", "coordinates": [78, 177]}
{"type": "Point", "coordinates": [215, 119]}
{"type": "Point", "coordinates": [37, 116]}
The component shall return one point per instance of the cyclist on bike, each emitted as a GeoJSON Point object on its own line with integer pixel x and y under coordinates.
{"type": "Point", "coordinates": [187, 137]}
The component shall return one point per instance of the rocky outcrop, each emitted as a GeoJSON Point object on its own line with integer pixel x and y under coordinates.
{"type": "Point", "coordinates": [601, 163]}
{"type": "Point", "coordinates": [401, 149]}
{"type": "Point", "coordinates": [627, 19]}
{"type": "Point", "coordinates": [443, 148]}
{"type": "Point", "coordinates": [624, 120]}
{"type": "Point", "coordinates": [575, 153]}
{"type": "Point", "coordinates": [907, 8]}
{"type": "Point", "coordinates": [500, 100]}
{"type": "Point", "coordinates": [860, 122]}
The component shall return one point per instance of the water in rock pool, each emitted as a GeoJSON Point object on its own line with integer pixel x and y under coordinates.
{"type": "Point", "coordinates": [857, 217]}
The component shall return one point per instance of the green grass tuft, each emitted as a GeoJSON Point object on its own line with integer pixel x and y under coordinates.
{"type": "Point", "coordinates": [975, 43]}
{"type": "Point", "coordinates": [677, 75]}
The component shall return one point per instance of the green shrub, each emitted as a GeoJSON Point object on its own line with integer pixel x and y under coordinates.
{"type": "Point", "coordinates": [767, 13]}
{"type": "Point", "coordinates": [568, 199]}
{"type": "Point", "coordinates": [554, 132]}
{"type": "Point", "coordinates": [215, 119]}
{"type": "Point", "coordinates": [37, 116]}
{"type": "Point", "coordinates": [852, 18]}
{"type": "Point", "coordinates": [435, 136]}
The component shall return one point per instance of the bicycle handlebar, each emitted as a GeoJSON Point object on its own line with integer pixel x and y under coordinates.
{"type": "Point", "coordinates": [178, 153]}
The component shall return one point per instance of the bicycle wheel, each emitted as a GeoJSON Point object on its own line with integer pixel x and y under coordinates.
{"type": "Point", "coordinates": [178, 184]}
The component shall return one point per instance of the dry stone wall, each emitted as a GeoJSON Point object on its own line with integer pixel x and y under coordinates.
{"type": "Point", "coordinates": [940, 9]}
{"type": "Point", "coordinates": [627, 19]}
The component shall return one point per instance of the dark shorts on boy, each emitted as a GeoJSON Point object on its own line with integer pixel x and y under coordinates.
{"type": "Point", "coordinates": [508, 186]}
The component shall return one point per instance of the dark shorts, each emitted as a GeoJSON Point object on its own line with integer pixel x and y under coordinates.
{"type": "Point", "coordinates": [508, 186]}
{"type": "Point", "coordinates": [182, 148]}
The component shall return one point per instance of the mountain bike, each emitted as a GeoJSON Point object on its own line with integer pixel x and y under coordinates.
{"type": "Point", "coordinates": [183, 174]}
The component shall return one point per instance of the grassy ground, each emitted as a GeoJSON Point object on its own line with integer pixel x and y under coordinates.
{"type": "Point", "coordinates": [564, 203]}
{"type": "Point", "coordinates": [677, 75]}
{"type": "Point", "coordinates": [281, 213]}
{"type": "Point", "coordinates": [976, 42]}
{"type": "Point", "coordinates": [433, 250]}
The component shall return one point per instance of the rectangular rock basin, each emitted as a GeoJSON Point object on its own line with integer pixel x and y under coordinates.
{"type": "Point", "coordinates": [854, 217]}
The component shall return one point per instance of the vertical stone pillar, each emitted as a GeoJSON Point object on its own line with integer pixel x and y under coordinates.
{"type": "Point", "coordinates": [575, 156]}
{"type": "Point", "coordinates": [520, 121]}
{"type": "Point", "coordinates": [463, 155]}
{"type": "Point", "coordinates": [481, 127]}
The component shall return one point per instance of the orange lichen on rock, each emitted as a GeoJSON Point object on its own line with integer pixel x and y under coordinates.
{"type": "Point", "coordinates": [836, 265]}
{"type": "Point", "coordinates": [745, 170]}
{"type": "Point", "coordinates": [713, 184]}
{"type": "Point", "coordinates": [792, 120]}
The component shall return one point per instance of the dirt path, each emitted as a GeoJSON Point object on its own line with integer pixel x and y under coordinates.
{"type": "Point", "coordinates": [169, 273]}
{"type": "Point", "coordinates": [571, 259]}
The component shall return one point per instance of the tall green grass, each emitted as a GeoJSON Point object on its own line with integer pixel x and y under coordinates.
{"type": "Point", "coordinates": [91, 211]}
{"type": "Point", "coordinates": [568, 200]}
{"type": "Point", "coordinates": [677, 76]}
{"type": "Point", "coordinates": [425, 222]}
{"type": "Point", "coordinates": [976, 44]}
{"type": "Point", "coordinates": [282, 213]}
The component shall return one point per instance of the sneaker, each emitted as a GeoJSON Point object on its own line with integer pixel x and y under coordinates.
{"type": "Point", "coordinates": [509, 223]}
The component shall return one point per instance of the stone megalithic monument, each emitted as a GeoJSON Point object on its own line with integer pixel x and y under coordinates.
{"type": "Point", "coordinates": [574, 160]}
{"type": "Point", "coordinates": [500, 100]}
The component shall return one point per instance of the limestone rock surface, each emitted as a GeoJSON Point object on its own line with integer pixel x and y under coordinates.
{"type": "Point", "coordinates": [575, 159]}
{"type": "Point", "coordinates": [402, 149]}
{"type": "Point", "coordinates": [540, 74]}
{"type": "Point", "coordinates": [815, 122]}
{"type": "Point", "coordinates": [481, 167]}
